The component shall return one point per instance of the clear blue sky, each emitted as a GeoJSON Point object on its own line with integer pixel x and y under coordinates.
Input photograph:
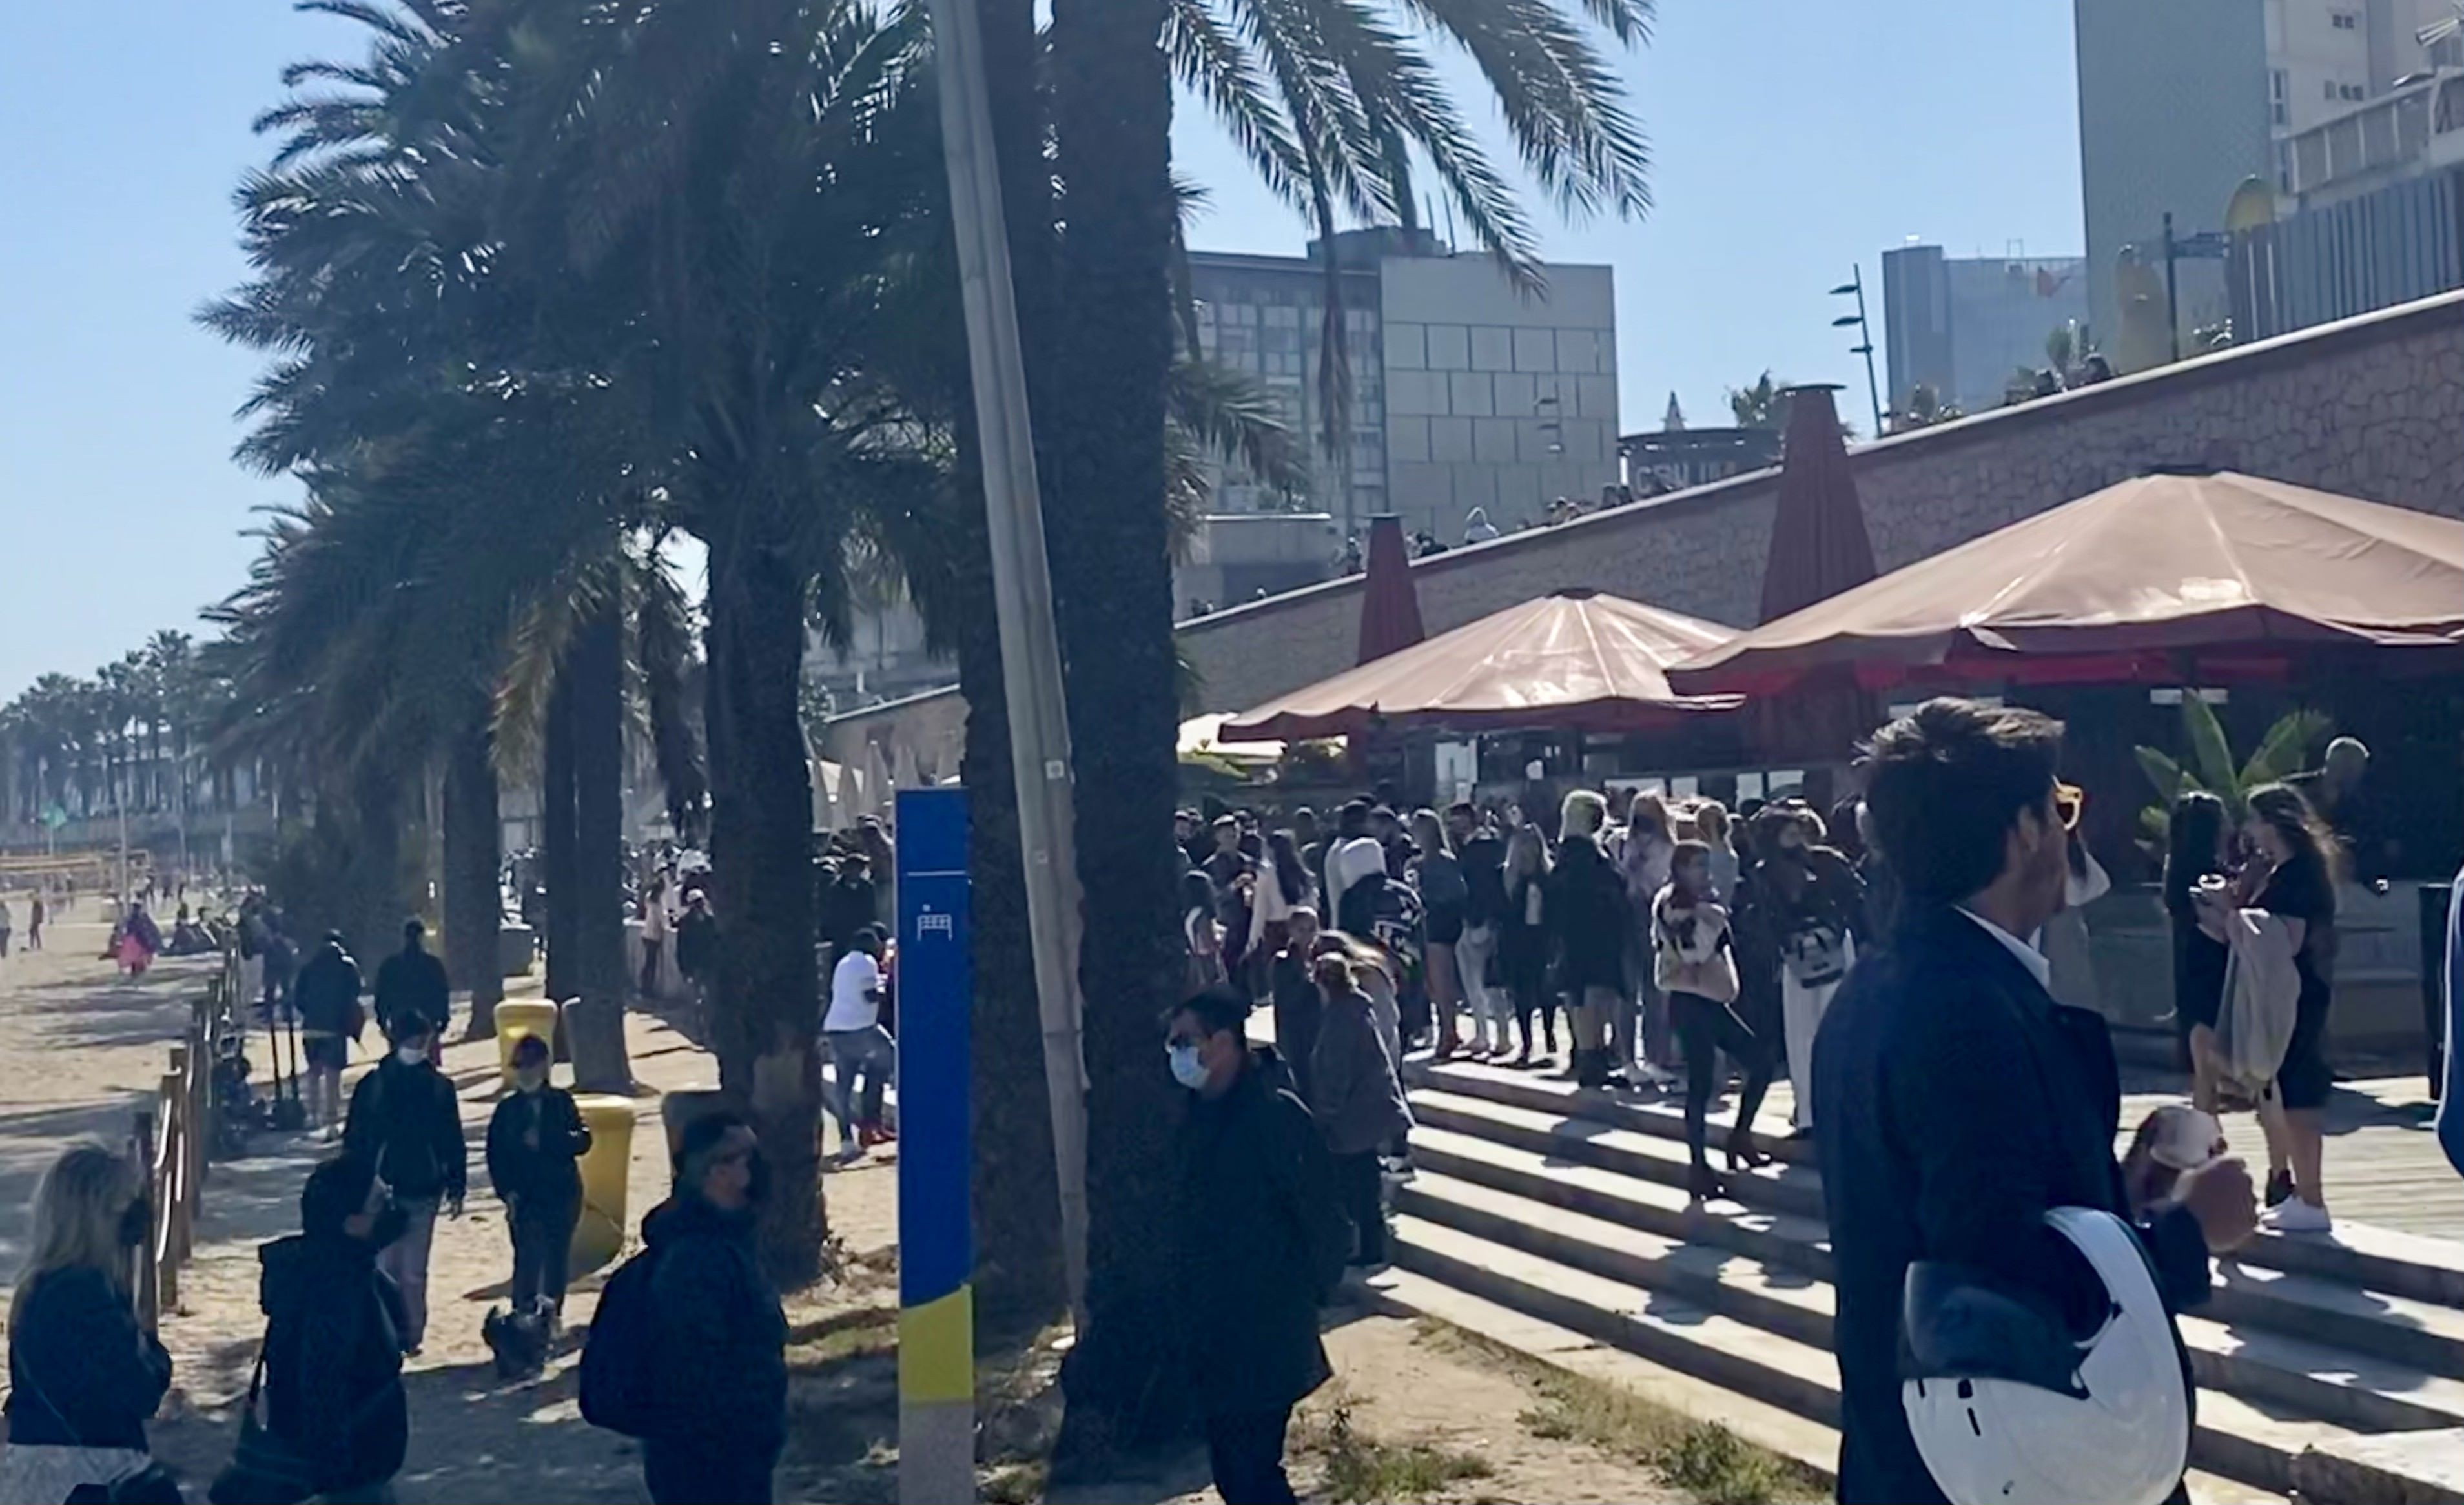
{"type": "Point", "coordinates": [1790, 138]}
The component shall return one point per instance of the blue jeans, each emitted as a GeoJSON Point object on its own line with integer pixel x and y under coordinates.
{"type": "Point", "coordinates": [864, 1053]}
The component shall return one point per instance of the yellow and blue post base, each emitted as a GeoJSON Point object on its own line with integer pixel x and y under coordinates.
{"type": "Point", "coordinates": [937, 1308]}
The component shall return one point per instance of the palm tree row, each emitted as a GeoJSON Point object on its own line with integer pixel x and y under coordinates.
{"type": "Point", "coordinates": [545, 282]}
{"type": "Point", "coordinates": [131, 738]}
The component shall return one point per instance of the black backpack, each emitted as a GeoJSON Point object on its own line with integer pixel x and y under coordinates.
{"type": "Point", "coordinates": [620, 1355]}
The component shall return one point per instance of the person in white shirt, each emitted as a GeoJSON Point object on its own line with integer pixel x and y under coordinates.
{"type": "Point", "coordinates": [1356, 855]}
{"type": "Point", "coordinates": [860, 1048]}
{"type": "Point", "coordinates": [656, 926]}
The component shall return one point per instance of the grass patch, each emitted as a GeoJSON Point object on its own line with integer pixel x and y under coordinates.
{"type": "Point", "coordinates": [1362, 1470]}
{"type": "Point", "coordinates": [1705, 1459]}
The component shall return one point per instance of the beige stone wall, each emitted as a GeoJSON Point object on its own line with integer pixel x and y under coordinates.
{"type": "Point", "coordinates": [2372, 408]}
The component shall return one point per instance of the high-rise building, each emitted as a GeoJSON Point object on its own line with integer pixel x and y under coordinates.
{"type": "Point", "coordinates": [1960, 326]}
{"type": "Point", "coordinates": [2183, 101]}
{"type": "Point", "coordinates": [1464, 392]}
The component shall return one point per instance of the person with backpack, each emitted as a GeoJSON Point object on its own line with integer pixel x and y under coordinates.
{"type": "Point", "coordinates": [407, 1123]}
{"type": "Point", "coordinates": [535, 1139]}
{"type": "Point", "coordinates": [687, 1350]}
{"type": "Point", "coordinates": [412, 996]}
{"type": "Point", "coordinates": [334, 1338]}
{"type": "Point", "coordinates": [326, 994]}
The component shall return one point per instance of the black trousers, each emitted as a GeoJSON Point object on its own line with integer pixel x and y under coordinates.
{"type": "Point", "coordinates": [1361, 1187]}
{"type": "Point", "coordinates": [706, 1471]}
{"type": "Point", "coordinates": [542, 1233]}
{"type": "Point", "coordinates": [1703, 1029]}
{"type": "Point", "coordinates": [1247, 1453]}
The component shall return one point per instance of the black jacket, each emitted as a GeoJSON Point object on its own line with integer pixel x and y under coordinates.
{"type": "Point", "coordinates": [328, 992]}
{"type": "Point", "coordinates": [1355, 1096]}
{"type": "Point", "coordinates": [1483, 859]}
{"type": "Point", "coordinates": [412, 993]}
{"type": "Point", "coordinates": [1586, 912]}
{"type": "Point", "coordinates": [406, 1122]}
{"type": "Point", "coordinates": [721, 1337]}
{"type": "Point", "coordinates": [1298, 1007]}
{"type": "Point", "coordinates": [697, 943]}
{"type": "Point", "coordinates": [545, 1172]}
{"type": "Point", "coordinates": [1260, 1242]}
{"type": "Point", "coordinates": [333, 1357]}
{"type": "Point", "coordinates": [81, 1372]}
{"type": "Point", "coordinates": [847, 905]}
{"type": "Point", "coordinates": [1955, 1103]}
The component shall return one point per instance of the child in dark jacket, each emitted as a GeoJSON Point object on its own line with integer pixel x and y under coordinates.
{"type": "Point", "coordinates": [535, 1139]}
{"type": "Point", "coordinates": [334, 1335]}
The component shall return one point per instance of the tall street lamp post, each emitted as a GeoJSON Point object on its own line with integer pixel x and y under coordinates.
{"type": "Point", "coordinates": [1856, 285]}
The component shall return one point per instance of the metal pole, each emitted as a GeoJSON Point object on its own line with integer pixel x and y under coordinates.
{"type": "Point", "coordinates": [2172, 308]}
{"type": "Point", "coordinates": [1866, 333]}
{"type": "Point", "coordinates": [1039, 720]}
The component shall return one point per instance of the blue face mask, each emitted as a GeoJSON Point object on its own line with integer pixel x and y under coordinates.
{"type": "Point", "coordinates": [1187, 1068]}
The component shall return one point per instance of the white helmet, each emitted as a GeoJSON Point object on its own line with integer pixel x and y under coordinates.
{"type": "Point", "coordinates": [2008, 1409]}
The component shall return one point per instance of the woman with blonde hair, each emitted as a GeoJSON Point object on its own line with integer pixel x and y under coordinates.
{"type": "Point", "coordinates": [1444, 901]}
{"type": "Point", "coordinates": [1585, 904]}
{"type": "Point", "coordinates": [1712, 829]}
{"type": "Point", "coordinates": [84, 1378]}
{"type": "Point", "coordinates": [1375, 973]}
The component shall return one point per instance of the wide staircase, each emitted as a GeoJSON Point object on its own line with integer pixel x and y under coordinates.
{"type": "Point", "coordinates": [1554, 1219]}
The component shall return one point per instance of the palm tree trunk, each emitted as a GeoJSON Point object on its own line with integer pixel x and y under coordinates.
{"type": "Point", "coordinates": [472, 909]}
{"type": "Point", "coordinates": [1112, 118]}
{"type": "Point", "coordinates": [556, 838]}
{"type": "Point", "coordinates": [767, 1013]}
{"type": "Point", "coordinates": [372, 906]}
{"type": "Point", "coordinates": [595, 1020]}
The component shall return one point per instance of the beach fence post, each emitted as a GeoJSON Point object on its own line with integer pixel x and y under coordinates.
{"type": "Point", "coordinates": [935, 972]}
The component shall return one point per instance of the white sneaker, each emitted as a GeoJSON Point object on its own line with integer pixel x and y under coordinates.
{"type": "Point", "coordinates": [2293, 1216]}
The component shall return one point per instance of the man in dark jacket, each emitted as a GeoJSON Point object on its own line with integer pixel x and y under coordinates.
{"type": "Point", "coordinates": [1956, 1103]}
{"type": "Point", "coordinates": [407, 1123]}
{"type": "Point", "coordinates": [721, 1337]}
{"type": "Point", "coordinates": [333, 1335]}
{"type": "Point", "coordinates": [412, 996]}
{"type": "Point", "coordinates": [327, 996]}
{"type": "Point", "coordinates": [1261, 1244]}
{"type": "Point", "coordinates": [534, 1140]}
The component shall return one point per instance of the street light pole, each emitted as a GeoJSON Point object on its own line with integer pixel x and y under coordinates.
{"type": "Point", "coordinates": [2173, 305]}
{"type": "Point", "coordinates": [1032, 685]}
{"type": "Point", "coordinates": [1855, 284]}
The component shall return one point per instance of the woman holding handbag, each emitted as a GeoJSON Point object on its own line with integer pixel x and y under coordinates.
{"type": "Point", "coordinates": [1698, 970]}
{"type": "Point", "coordinates": [336, 1424]}
{"type": "Point", "coordinates": [83, 1377]}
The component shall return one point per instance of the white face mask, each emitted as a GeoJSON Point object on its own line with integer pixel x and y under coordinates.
{"type": "Point", "coordinates": [411, 1054]}
{"type": "Point", "coordinates": [1187, 1068]}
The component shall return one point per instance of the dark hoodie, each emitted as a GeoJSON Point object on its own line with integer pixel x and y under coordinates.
{"type": "Point", "coordinates": [722, 1337]}
{"type": "Point", "coordinates": [333, 1348]}
{"type": "Point", "coordinates": [328, 992]}
{"type": "Point", "coordinates": [1587, 915]}
{"type": "Point", "coordinates": [406, 1122]}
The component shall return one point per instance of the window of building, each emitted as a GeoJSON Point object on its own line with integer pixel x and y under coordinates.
{"type": "Point", "coordinates": [2351, 93]}
{"type": "Point", "coordinates": [2279, 93]}
{"type": "Point", "coordinates": [2344, 20]}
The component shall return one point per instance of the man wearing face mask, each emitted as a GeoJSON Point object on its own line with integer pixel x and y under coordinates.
{"type": "Point", "coordinates": [534, 1140]}
{"type": "Point", "coordinates": [1957, 1102]}
{"type": "Point", "coordinates": [1261, 1239]}
{"type": "Point", "coordinates": [407, 1123]}
{"type": "Point", "coordinates": [333, 1336]}
{"type": "Point", "coordinates": [721, 1336]}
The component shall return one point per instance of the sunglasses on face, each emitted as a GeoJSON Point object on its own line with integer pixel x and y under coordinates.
{"type": "Point", "coordinates": [2070, 802]}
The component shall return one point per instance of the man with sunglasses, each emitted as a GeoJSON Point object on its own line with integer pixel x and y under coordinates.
{"type": "Point", "coordinates": [1956, 1102]}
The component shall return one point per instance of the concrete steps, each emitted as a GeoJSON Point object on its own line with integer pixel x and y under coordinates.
{"type": "Point", "coordinates": [1567, 1207]}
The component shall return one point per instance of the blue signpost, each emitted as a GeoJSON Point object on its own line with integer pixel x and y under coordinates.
{"type": "Point", "coordinates": [937, 1368]}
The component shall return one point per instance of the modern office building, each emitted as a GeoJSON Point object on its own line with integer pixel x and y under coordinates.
{"type": "Point", "coordinates": [1960, 326]}
{"type": "Point", "coordinates": [1463, 391]}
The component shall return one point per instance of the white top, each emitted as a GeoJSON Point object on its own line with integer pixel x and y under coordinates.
{"type": "Point", "coordinates": [1359, 858]}
{"type": "Point", "coordinates": [856, 994]}
{"type": "Point", "coordinates": [2028, 956]}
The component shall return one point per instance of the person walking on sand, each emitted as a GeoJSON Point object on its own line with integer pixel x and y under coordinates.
{"type": "Point", "coordinates": [326, 997]}
{"type": "Point", "coordinates": [535, 1139]}
{"type": "Point", "coordinates": [1260, 1242]}
{"type": "Point", "coordinates": [720, 1336]}
{"type": "Point", "coordinates": [1956, 1103]}
{"type": "Point", "coordinates": [37, 912]}
{"type": "Point", "coordinates": [139, 942]}
{"type": "Point", "coordinates": [8, 923]}
{"type": "Point", "coordinates": [83, 1377]}
{"type": "Point", "coordinates": [406, 1122]}
{"type": "Point", "coordinates": [333, 1345]}
{"type": "Point", "coordinates": [412, 996]}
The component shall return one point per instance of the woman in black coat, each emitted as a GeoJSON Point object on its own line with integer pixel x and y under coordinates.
{"type": "Point", "coordinates": [334, 1335]}
{"type": "Point", "coordinates": [1588, 914]}
{"type": "Point", "coordinates": [1522, 942]}
{"type": "Point", "coordinates": [83, 1377]}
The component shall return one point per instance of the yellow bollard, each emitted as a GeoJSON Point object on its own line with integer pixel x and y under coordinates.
{"type": "Point", "coordinates": [516, 1018]}
{"type": "Point", "coordinates": [604, 1173]}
